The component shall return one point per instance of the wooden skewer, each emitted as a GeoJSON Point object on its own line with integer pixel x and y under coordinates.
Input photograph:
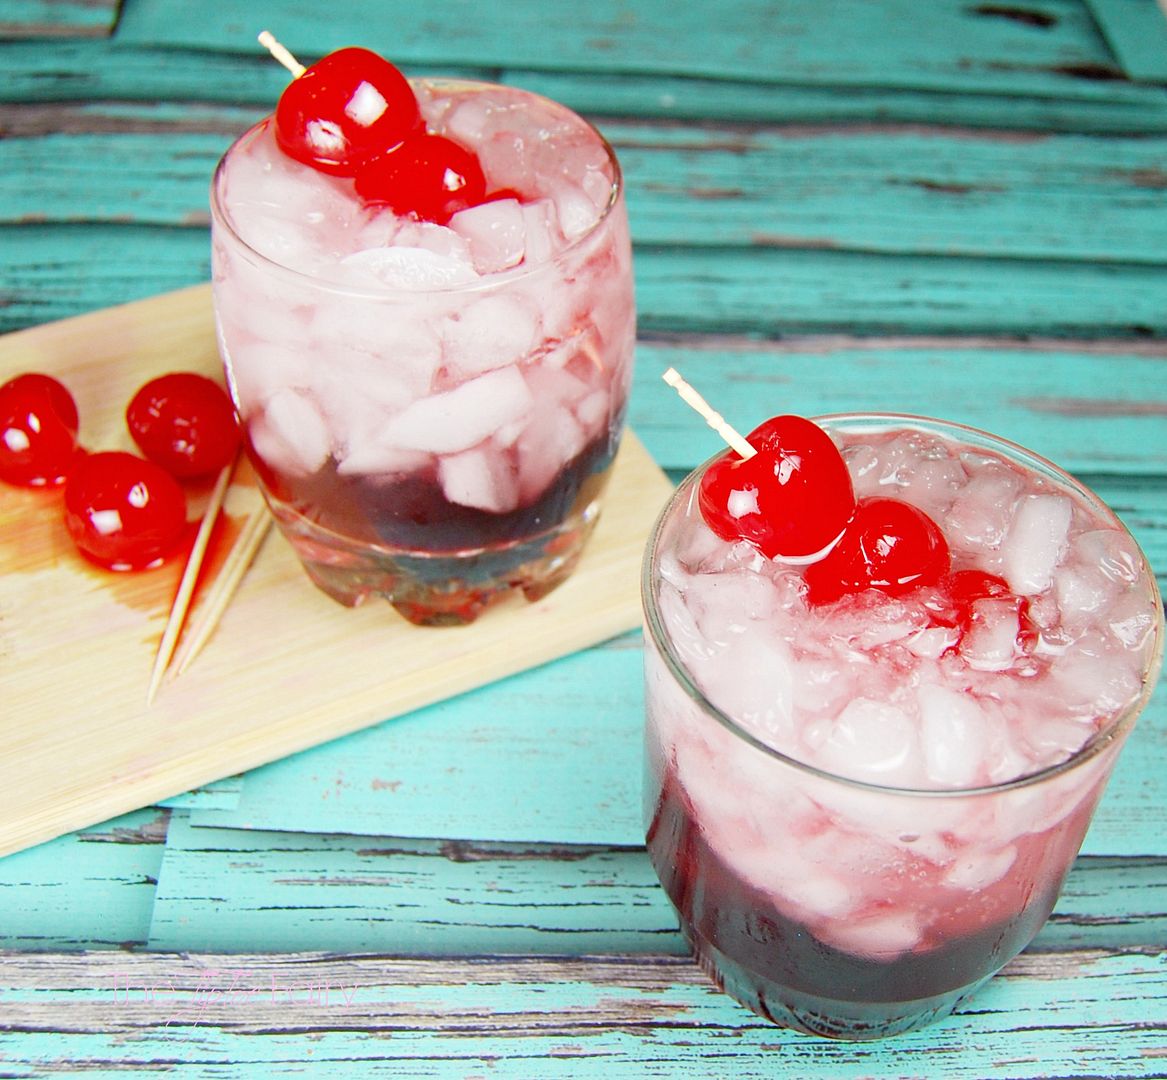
{"type": "Point", "coordinates": [194, 563]}
{"type": "Point", "coordinates": [231, 574]}
{"type": "Point", "coordinates": [281, 54]}
{"type": "Point", "coordinates": [714, 419]}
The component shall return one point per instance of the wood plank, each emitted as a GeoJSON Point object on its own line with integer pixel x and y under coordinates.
{"type": "Point", "coordinates": [221, 890]}
{"type": "Point", "coordinates": [959, 47]}
{"type": "Point", "coordinates": [1093, 410]}
{"type": "Point", "coordinates": [91, 889]}
{"type": "Point", "coordinates": [568, 739]}
{"type": "Point", "coordinates": [555, 757]}
{"type": "Point", "coordinates": [67, 624]}
{"type": "Point", "coordinates": [892, 190]}
{"type": "Point", "coordinates": [1137, 32]}
{"type": "Point", "coordinates": [1057, 1015]}
{"type": "Point", "coordinates": [57, 18]}
{"type": "Point", "coordinates": [70, 71]}
{"type": "Point", "coordinates": [57, 271]}
{"type": "Point", "coordinates": [224, 889]}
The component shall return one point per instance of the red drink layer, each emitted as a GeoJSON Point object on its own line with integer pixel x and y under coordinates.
{"type": "Point", "coordinates": [433, 407]}
{"type": "Point", "coordinates": [862, 808]}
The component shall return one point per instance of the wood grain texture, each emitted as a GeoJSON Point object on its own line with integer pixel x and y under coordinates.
{"type": "Point", "coordinates": [887, 190]}
{"type": "Point", "coordinates": [287, 668]}
{"type": "Point", "coordinates": [61, 270]}
{"type": "Point", "coordinates": [57, 18]}
{"type": "Point", "coordinates": [315, 1014]}
{"type": "Point", "coordinates": [220, 890]}
{"type": "Point", "coordinates": [959, 47]}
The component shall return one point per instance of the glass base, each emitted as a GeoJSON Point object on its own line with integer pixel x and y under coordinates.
{"type": "Point", "coordinates": [813, 1015]}
{"type": "Point", "coordinates": [438, 589]}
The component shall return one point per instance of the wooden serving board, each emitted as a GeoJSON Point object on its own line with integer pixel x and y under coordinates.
{"type": "Point", "coordinates": [286, 669]}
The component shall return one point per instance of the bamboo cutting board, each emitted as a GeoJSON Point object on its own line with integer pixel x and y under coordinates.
{"type": "Point", "coordinates": [286, 669]}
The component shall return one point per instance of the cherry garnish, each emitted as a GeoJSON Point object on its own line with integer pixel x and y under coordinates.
{"type": "Point", "coordinates": [890, 545]}
{"type": "Point", "coordinates": [346, 109]}
{"type": "Point", "coordinates": [429, 176]}
{"type": "Point", "coordinates": [38, 431]}
{"type": "Point", "coordinates": [791, 500]}
{"type": "Point", "coordinates": [185, 423]}
{"type": "Point", "coordinates": [123, 513]}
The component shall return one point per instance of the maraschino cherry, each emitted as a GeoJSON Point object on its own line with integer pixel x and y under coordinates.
{"type": "Point", "coordinates": [428, 175]}
{"type": "Point", "coordinates": [38, 431]}
{"type": "Point", "coordinates": [184, 422]}
{"type": "Point", "coordinates": [889, 545]}
{"type": "Point", "coordinates": [123, 512]}
{"type": "Point", "coordinates": [345, 110]}
{"type": "Point", "coordinates": [791, 500]}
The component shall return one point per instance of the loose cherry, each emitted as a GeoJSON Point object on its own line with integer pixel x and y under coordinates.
{"type": "Point", "coordinates": [38, 431]}
{"type": "Point", "coordinates": [428, 175]}
{"type": "Point", "coordinates": [346, 109]}
{"type": "Point", "coordinates": [890, 545]}
{"type": "Point", "coordinates": [185, 423]}
{"type": "Point", "coordinates": [123, 513]}
{"type": "Point", "coordinates": [791, 500]}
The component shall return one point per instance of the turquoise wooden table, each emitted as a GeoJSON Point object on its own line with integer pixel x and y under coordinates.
{"type": "Point", "coordinates": [955, 208]}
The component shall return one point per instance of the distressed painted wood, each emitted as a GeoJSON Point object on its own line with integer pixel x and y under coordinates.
{"type": "Point", "coordinates": [61, 270]}
{"type": "Point", "coordinates": [223, 889]}
{"type": "Point", "coordinates": [314, 1014]}
{"type": "Point", "coordinates": [1136, 30]}
{"type": "Point", "coordinates": [81, 70]}
{"type": "Point", "coordinates": [896, 190]}
{"type": "Point", "coordinates": [91, 889]}
{"type": "Point", "coordinates": [975, 48]}
{"type": "Point", "coordinates": [57, 18]}
{"type": "Point", "coordinates": [554, 755]}
{"type": "Point", "coordinates": [836, 204]}
{"type": "Point", "coordinates": [551, 758]}
{"type": "Point", "coordinates": [220, 890]}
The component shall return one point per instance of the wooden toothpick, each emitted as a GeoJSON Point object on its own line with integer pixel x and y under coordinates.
{"type": "Point", "coordinates": [194, 563]}
{"type": "Point", "coordinates": [713, 418]}
{"type": "Point", "coordinates": [281, 54]}
{"type": "Point", "coordinates": [223, 589]}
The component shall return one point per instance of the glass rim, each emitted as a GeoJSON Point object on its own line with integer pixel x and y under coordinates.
{"type": "Point", "coordinates": [1094, 746]}
{"type": "Point", "coordinates": [221, 215]}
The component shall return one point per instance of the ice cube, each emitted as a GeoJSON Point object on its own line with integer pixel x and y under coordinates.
{"type": "Point", "coordinates": [541, 232]}
{"type": "Point", "coordinates": [979, 517]}
{"type": "Point", "coordinates": [872, 740]}
{"type": "Point", "coordinates": [594, 412]}
{"type": "Point", "coordinates": [1131, 620]}
{"type": "Point", "coordinates": [975, 870]}
{"type": "Point", "coordinates": [495, 232]}
{"type": "Point", "coordinates": [413, 268]}
{"type": "Point", "coordinates": [732, 603]}
{"type": "Point", "coordinates": [1036, 542]}
{"type": "Point", "coordinates": [575, 211]}
{"type": "Point", "coordinates": [883, 936]}
{"type": "Point", "coordinates": [258, 371]}
{"type": "Point", "coordinates": [290, 435]}
{"type": "Point", "coordinates": [458, 419]}
{"type": "Point", "coordinates": [1082, 593]}
{"type": "Point", "coordinates": [952, 735]}
{"type": "Point", "coordinates": [491, 332]}
{"type": "Point", "coordinates": [439, 239]}
{"type": "Point", "coordinates": [1112, 553]}
{"type": "Point", "coordinates": [484, 478]}
{"type": "Point", "coordinates": [550, 440]}
{"type": "Point", "coordinates": [990, 642]}
{"type": "Point", "coordinates": [751, 681]}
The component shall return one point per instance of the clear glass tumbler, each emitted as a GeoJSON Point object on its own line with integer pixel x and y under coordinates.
{"type": "Point", "coordinates": [857, 824]}
{"type": "Point", "coordinates": [433, 410]}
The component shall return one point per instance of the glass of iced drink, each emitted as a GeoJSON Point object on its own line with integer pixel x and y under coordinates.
{"type": "Point", "coordinates": [431, 360]}
{"type": "Point", "coordinates": [869, 773]}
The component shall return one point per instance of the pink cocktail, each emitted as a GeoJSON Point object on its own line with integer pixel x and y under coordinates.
{"type": "Point", "coordinates": [433, 407]}
{"type": "Point", "coordinates": [863, 804]}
